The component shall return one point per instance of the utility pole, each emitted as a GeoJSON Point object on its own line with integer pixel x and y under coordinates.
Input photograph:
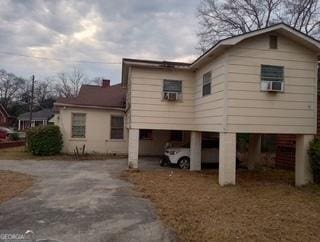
{"type": "Point", "coordinates": [31, 100]}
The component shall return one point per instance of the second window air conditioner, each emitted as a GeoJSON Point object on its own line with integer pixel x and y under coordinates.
{"type": "Point", "coordinates": [272, 86]}
{"type": "Point", "coordinates": [171, 96]}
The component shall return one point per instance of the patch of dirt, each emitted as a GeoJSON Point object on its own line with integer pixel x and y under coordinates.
{"type": "Point", "coordinates": [263, 206]}
{"type": "Point", "coordinates": [19, 153]}
{"type": "Point", "coordinates": [13, 183]}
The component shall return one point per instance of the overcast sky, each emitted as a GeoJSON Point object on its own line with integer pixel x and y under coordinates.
{"type": "Point", "coordinates": [94, 30]}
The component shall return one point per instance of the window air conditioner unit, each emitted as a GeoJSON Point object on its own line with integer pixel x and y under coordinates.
{"type": "Point", "coordinates": [272, 86]}
{"type": "Point", "coordinates": [171, 96]}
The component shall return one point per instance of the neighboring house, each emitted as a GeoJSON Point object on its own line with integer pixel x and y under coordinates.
{"type": "Point", "coordinates": [5, 119]}
{"type": "Point", "coordinates": [96, 119]}
{"type": "Point", "coordinates": [262, 82]}
{"type": "Point", "coordinates": [87, 119]}
{"type": "Point", "coordinates": [39, 118]}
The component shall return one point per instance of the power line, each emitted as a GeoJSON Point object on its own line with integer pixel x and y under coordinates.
{"type": "Point", "coordinates": [58, 59]}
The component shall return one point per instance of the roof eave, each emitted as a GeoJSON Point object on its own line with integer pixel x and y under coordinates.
{"type": "Point", "coordinates": [88, 106]}
{"type": "Point", "coordinates": [127, 63]}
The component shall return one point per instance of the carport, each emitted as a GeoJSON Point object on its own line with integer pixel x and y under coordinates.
{"type": "Point", "coordinates": [227, 153]}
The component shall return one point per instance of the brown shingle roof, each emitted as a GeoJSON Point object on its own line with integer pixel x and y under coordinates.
{"type": "Point", "coordinates": [91, 95]}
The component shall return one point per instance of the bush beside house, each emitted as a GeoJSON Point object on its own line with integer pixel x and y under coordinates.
{"type": "Point", "coordinates": [45, 140]}
{"type": "Point", "coordinates": [314, 156]}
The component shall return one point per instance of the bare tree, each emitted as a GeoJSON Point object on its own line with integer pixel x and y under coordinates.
{"type": "Point", "coordinates": [69, 83]}
{"type": "Point", "coordinates": [10, 87]}
{"type": "Point", "coordinates": [225, 18]}
{"type": "Point", "coordinates": [43, 91]}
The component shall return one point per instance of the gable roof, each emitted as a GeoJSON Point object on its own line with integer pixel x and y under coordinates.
{"type": "Point", "coordinates": [281, 28]}
{"type": "Point", "coordinates": [222, 45]}
{"type": "Point", "coordinates": [43, 114]}
{"type": "Point", "coordinates": [96, 97]}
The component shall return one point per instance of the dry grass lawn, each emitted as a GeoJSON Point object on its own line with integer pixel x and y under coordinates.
{"type": "Point", "coordinates": [263, 206]}
{"type": "Point", "coordinates": [12, 184]}
{"type": "Point", "coordinates": [19, 153]}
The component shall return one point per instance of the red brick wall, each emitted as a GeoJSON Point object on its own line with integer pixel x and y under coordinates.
{"type": "Point", "coordinates": [286, 149]}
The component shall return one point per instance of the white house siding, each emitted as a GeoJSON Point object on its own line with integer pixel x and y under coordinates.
{"type": "Point", "coordinates": [149, 111]}
{"type": "Point", "coordinates": [97, 132]}
{"type": "Point", "coordinates": [250, 110]}
{"type": "Point", "coordinates": [209, 110]}
{"type": "Point", "coordinates": [128, 102]}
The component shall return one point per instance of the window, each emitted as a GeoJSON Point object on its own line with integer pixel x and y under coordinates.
{"type": "Point", "coordinates": [271, 73]}
{"type": "Point", "coordinates": [176, 135]}
{"type": "Point", "coordinates": [206, 85]}
{"type": "Point", "coordinates": [172, 86]}
{"type": "Point", "coordinates": [273, 42]}
{"type": "Point", "coordinates": [78, 125]}
{"type": "Point", "coordinates": [145, 134]}
{"type": "Point", "coordinates": [117, 127]}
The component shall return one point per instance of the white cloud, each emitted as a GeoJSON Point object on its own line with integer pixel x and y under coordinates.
{"type": "Point", "coordinates": [98, 30]}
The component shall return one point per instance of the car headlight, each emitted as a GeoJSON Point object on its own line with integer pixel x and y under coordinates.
{"type": "Point", "coordinates": [172, 152]}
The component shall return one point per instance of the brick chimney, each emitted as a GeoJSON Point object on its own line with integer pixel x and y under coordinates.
{"type": "Point", "coordinates": [105, 83]}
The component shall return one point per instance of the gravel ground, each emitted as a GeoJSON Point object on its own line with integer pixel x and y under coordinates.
{"type": "Point", "coordinates": [79, 201]}
{"type": "Point", "coordinates": [263, 206]}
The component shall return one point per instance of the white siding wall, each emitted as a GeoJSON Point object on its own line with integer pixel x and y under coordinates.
{"type": "Point", "coordinates": [149, 111]}
{"type": "Point", "coordinates": [209, 110]}
{"type": "Point", "coordinates": [236, 103]}
{"type": "Point", "coordinates": [250, 110]}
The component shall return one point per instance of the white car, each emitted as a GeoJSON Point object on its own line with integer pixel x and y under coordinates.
{"type": "Point", "coordinates": [181, 155]}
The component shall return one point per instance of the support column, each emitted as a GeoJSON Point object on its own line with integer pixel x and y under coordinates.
{"type": "Point", "coordinates": [254, 150]}
{"type": "Point", "coordinates": [195, 151]}
{"type": "Point", "coordinates": [303, 171]}
{"type": "Point", "coordinates": [227, 159]}
{"type": "Point", "coordinates": [133, 149]}
{"type": "Point", "coordinates": [19, 125]}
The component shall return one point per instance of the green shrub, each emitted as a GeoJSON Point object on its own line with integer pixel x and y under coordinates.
{"type": "Point", "coordinates": [314, 157]}
{"type": "Point", "coordinates": [44, 140]}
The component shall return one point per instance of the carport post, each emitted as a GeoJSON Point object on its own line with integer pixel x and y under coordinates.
{"type": "Point", "coordinates": [254, 150]}
{"type": "Point", "coordinates": [133, 148]}
{"type": "Point", "coordinates": [227, 159]}
{"type": "Point", "coordinates": [195, 151]}
{"type": "Point", "coordinates": [303, 172]}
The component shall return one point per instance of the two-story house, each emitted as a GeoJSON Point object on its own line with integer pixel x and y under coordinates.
{"type": "Point", "coordinates": [262, 82]}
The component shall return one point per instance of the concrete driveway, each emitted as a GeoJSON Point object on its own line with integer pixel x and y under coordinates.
{"type": "Point", "coordinates": [80, 201]}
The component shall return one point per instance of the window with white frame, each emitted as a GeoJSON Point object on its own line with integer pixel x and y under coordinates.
{"type": "Point", "coordinates": [78, 129]}
{"type": "Point", "coordinates": [117, 127]}
{"type": "Point", "coordinates": [272, 73]}
{"type": "Point", "coordinates": [172, 86]}
{"type": "Point", "coordinates": [206, 84]}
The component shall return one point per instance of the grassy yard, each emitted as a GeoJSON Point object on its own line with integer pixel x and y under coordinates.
{"type": "Point", "coordinates": [19, 153]}
{"type": "Point", "coordinates": [263, 206]}
{"type": "Point", "coordinates": [12, 184]}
